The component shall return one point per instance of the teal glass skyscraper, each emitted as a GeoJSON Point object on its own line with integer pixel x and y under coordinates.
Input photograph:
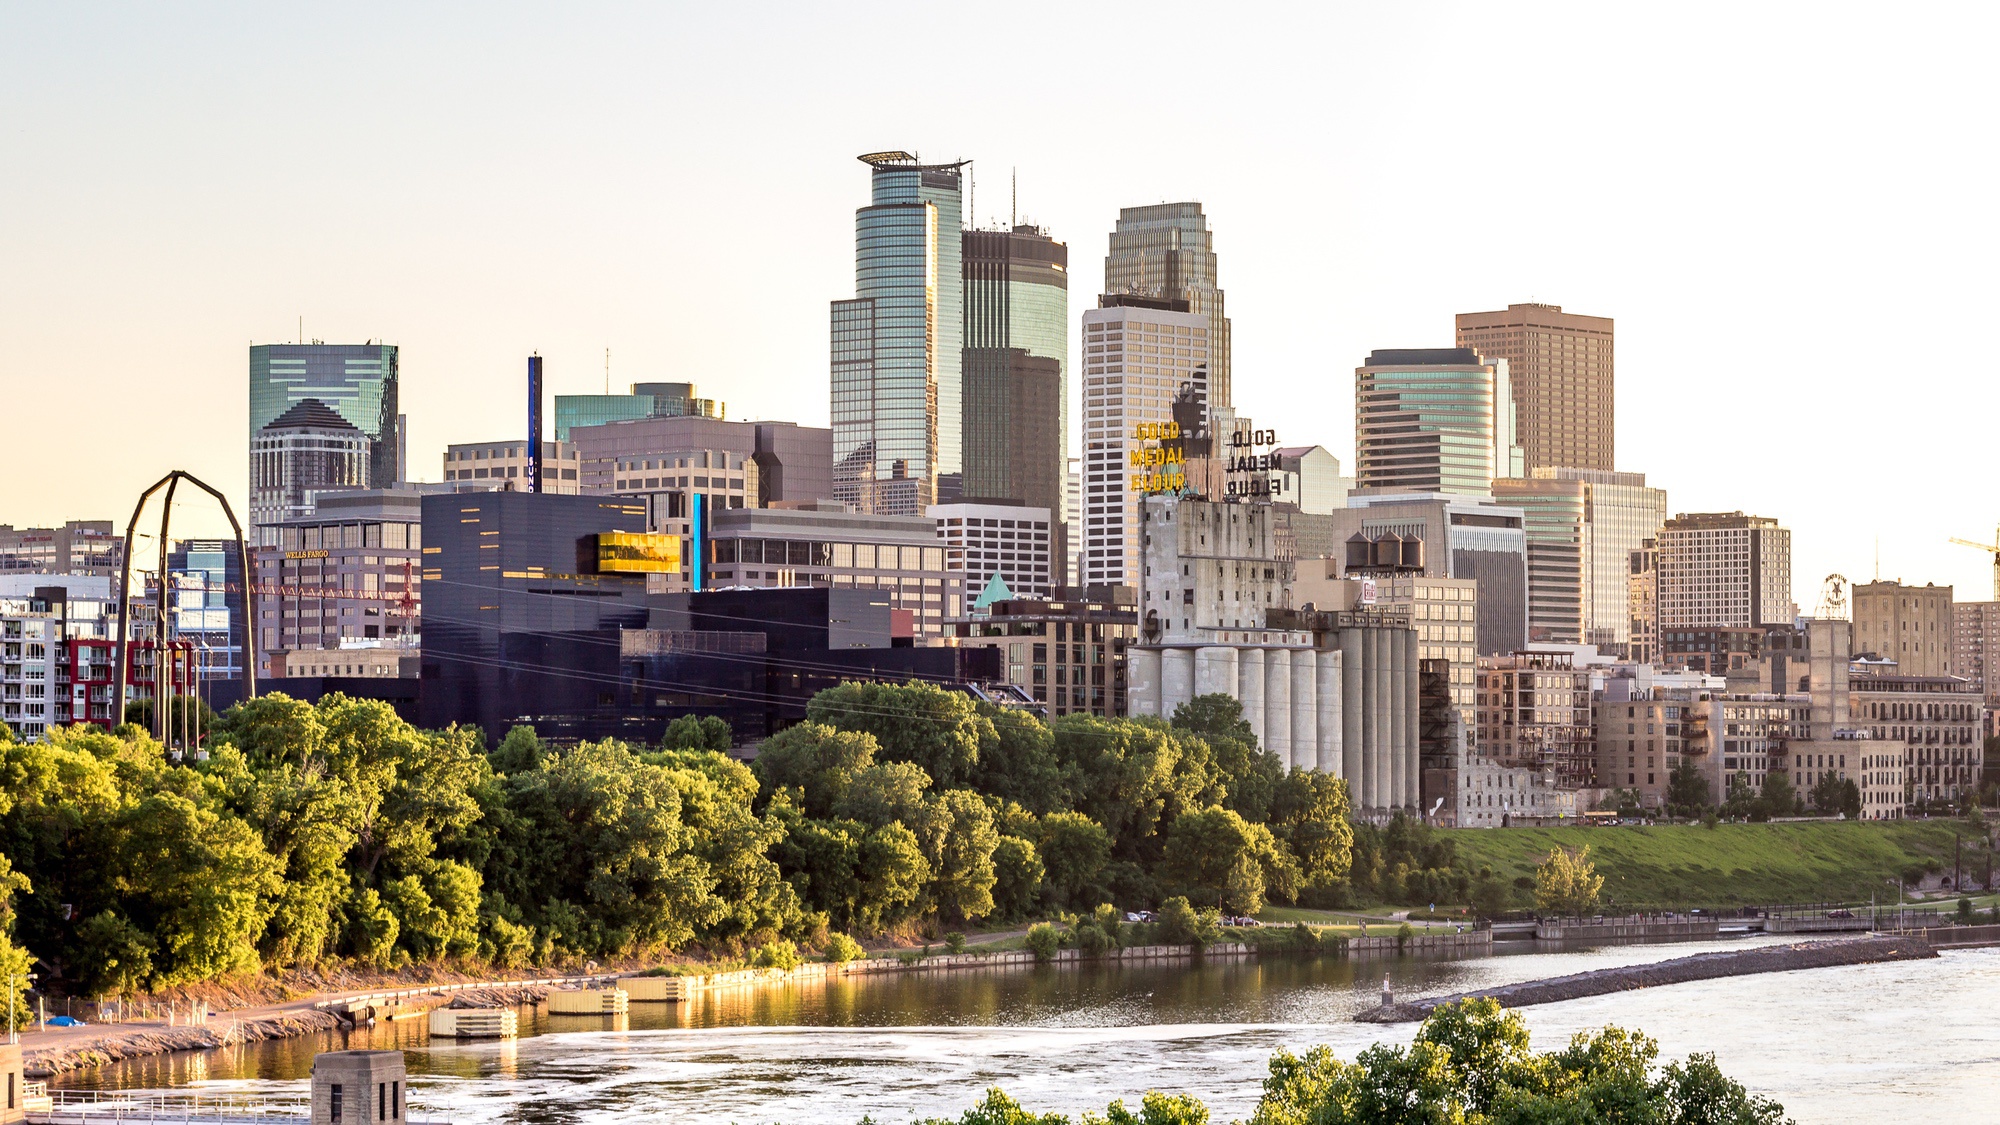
{"type": "Point", "coordinates": [357, 380]}
{"type": "Point", "coordinates": [897, 388]}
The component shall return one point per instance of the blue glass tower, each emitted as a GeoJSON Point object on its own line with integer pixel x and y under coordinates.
{"type": "Point", "coordinates": [897, 345]}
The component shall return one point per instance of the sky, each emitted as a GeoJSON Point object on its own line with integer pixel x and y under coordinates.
{"type": "Point", "coordinates": [1786, 208]}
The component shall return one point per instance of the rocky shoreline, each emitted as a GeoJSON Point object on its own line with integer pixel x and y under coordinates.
{"type": "Point", "coordinates": [1680, 970]}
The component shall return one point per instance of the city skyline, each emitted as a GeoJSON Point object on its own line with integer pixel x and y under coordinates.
{"type": "Point", "coordinates": [168, 275]}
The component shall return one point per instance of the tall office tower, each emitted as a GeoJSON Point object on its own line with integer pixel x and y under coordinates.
{"type": "Point", "coordinates": [647, 400]}
{"type": "Point", "coordinates": [307, 450]}
{"type": "Point", "coordinates": [1016, 365]}
{"type": "Point", "coordinates": [1166, 251]}
{"type": "Point", "coordinates": [1583, 525]}
{"type": "Point", "coordinates": [1073, 522]}
{"type": "Point", "coordinates": [1560, 364]}
{"type": "Point", "coordinates": [1642, 604]}
{"type": "Point", "coordinates": [1139, 355]}
{"type": "Point", "coordinates": [1433, 420]}
{"type": "Point", "coordinates": [1724, 569]}
{"type": "Point", "coordinates": [897, 385]}
{"type": "Point", "coordinates": [1911, 625]}
{"type": "Point", "coordinates": [355, 381]}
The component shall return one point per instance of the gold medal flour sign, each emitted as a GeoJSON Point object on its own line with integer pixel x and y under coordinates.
{"type": "Point", "coordinates": [1162, 465]}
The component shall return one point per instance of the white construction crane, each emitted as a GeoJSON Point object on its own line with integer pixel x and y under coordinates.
{"type": "Point", "coordinates": [1993, 549]}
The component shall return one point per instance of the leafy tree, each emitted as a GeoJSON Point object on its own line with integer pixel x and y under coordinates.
{"type": "Point", "coordinates": [939, 730]}
{"type": "Point", "coordinates": [962, 864]}
{"type": "Point", "coordinates": [1834, 794]}
{"type": "Point", "coordinates": [602, 861]}
{"type": "Point", "coordinates": [1309, 813]}
{"type": "Point", "coordinates": [1687, 790]}
{"type": "Point", "coordinates": [840, 948]}
{"type": "Point", "coordinates": [1020, 765]}
{"type": "Point", "coordinates": [522, 749]}
{"type": "Point", "coordinates": [1490, 895]}
{"type": "Point", "coordinates": [1017, 878]}
{"type": "Point", "coordinates": [1249, 775]}
{"type": "Point", "coordinates": [1134, 776]}
{"type": "Point", "coordinates": [1073, 850]}
{"type": "Point", "coordinates": [1567, 883]}
{"type": "Point", "coordinates": [1043, 941]}
{"type": "Point", "coordinates": [717, 796]}
{"type": "Point", "coordinates": [1181, 924]}
{"type": "Point", "coordinates": [706, 732]}
{"type": "Point", "coordinates": [14, 960]}
{"type": "Point", "coordinates": [1216, 857]}
{"type": "Point", "coordinates": [1779, 798]}
{"type": "Point", "coordinates": [886, 793]}
{"type": "Point", "coordinates": [814, 760]}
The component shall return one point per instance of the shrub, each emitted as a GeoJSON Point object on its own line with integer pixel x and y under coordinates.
{"type": "Point", "coordinates": [1304, 936]}
{"type": "Point", "coordinates": [1964, 910]}
{"type": "Point", "coordinates": [1093, 941]}
{"type": "Point", "coordinates": [1403, 935]}
{"type": "Point", "coordinates": [841, 949]}
{"type": "Point", "coordinates": [955, 941]}
{"type": "Point", "coordinates": [1043, 941]}
{"type": "Point", "coordinates": [780, 954]}
{"type": "Point", "coordinates": [1112, 921]}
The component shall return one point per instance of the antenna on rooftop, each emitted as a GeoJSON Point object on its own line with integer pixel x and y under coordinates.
{"type": "Point", "coordinates": [1014, 201]}
{"type": "Point", "coordinates": [607, 371]}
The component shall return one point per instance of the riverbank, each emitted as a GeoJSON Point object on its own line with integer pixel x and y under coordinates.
{"type": "Point", "coordinates": [1680, 970]}
{"type": "Point", "coordinates": [70, 1049]}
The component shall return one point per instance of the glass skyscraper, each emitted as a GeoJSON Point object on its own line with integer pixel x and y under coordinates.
{"type": "Point", "coordinates": [896, 363]}
{"type": "Point", "coordinates": [1166, 250]}
{"type": "Point", "coordinates": [647, 400]}
{"type": "Point", "coordinates": [1016, 413]}
{"type": "Point", "coordinates": [357, 380]}
{"type": "Point", "coordinates": [1433, 420]}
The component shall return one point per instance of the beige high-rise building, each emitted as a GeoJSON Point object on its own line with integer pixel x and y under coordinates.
{"type": "Point", "coordinates": [1911, 625]}
{"type": "Point", "coordinates": [1138, 354]}
{"type": "Point", "coordinates": [1561, 366]}
{"type": "Point", "coordinates": [1166, 251]}
{"type": "Point", "coordinates": [1724, 569]}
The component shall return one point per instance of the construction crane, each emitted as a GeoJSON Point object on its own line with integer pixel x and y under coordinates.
{"type": "Point", "coordinates": [1993, 549]}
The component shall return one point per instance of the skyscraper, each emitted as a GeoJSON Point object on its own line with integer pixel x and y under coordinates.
{"type": "Point", "coordinates": [1583, 525]}
{"type": "Point", "coordinates": [647, 400]}
{"type": "Point", "coordinates": [308, 450]}
{"type": "Point", "coordinates": [1560, 364]}
{"type": "Point", "coordinates": [357, 381]}
{"type": "Point", "coordinates": [896, 364]}
{"type": "Point", "coordinates": [1166, 250]}
{"type": "Point", "coordinates": [1139, 355]}
{"type": "Point", "coordinates": [1433, 420]}
{"type": "Point", "coordinates": [1723, 570]}
{"type": "Point", "coordinates": [1016, 411]}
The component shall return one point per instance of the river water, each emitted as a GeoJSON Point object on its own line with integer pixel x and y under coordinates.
{"type": "Point", "coordinates": [1912, 1040]}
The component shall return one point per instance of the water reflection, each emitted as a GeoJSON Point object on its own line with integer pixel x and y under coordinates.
{"type": "Point", "coordinates": [893, 1045]}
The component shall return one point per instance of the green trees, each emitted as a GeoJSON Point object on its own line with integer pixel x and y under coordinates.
{"type": "Point", "coordinates": [1687, 790]}
{"type": "Point", "coordinates": [314, 833]}
{"type": "Point", "coordinates": [1833, 794]}
{"type": "Point", "coordinates": [1567, 883]}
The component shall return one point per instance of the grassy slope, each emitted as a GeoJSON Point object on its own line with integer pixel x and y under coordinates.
{"type": "Point", "coordinates": [1731, 864]}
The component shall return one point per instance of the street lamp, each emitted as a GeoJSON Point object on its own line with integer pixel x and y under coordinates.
{"type": "Point", "coordinates": [12, 1035]}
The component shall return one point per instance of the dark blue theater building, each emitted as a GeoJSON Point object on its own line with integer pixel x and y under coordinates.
{"type": "Point", "coordinates": [536, 611]}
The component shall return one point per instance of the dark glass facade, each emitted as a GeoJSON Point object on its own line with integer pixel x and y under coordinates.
{"type": "Point", "coordinates": [1016, 414]}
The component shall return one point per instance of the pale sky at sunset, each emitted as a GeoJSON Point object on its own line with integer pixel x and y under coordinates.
{"type": "Point", "coordinates": [1787, 208]}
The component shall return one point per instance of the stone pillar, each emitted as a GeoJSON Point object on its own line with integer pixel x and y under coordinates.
{"type": "Point", "coordinates": [1305, 708]}
{"type": "Point", "coordinates": [1142, 681]}
{"type": "Point", "coordinates": [1215, 671]}
{"type": "Point", "coordinates": [358, 1087]}
{"type": "Point", "coordinates": [1413, 760]}
{"type": "Point", "coordinates": [1250, 688]}
{"type": "Point", "coordinates": [1278, 703]}
{"type": "Point", "coordinates": [1176, 679]}
{"type": "Point", "coordinates": [1399, 718]}
{"type": "Point", "coordinates": [1330, 722]}
{"type": "Point", "coordinates": [1373, 720]}
{"type": "Point", "coordinates": [1352, 687]}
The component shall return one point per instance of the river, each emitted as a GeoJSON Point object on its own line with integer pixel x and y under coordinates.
{"type": "Point", "coordinates": [1900, 1041]}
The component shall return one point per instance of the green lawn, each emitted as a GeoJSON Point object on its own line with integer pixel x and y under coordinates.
{"type": "Point", "coordinates": [1731, 864]}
